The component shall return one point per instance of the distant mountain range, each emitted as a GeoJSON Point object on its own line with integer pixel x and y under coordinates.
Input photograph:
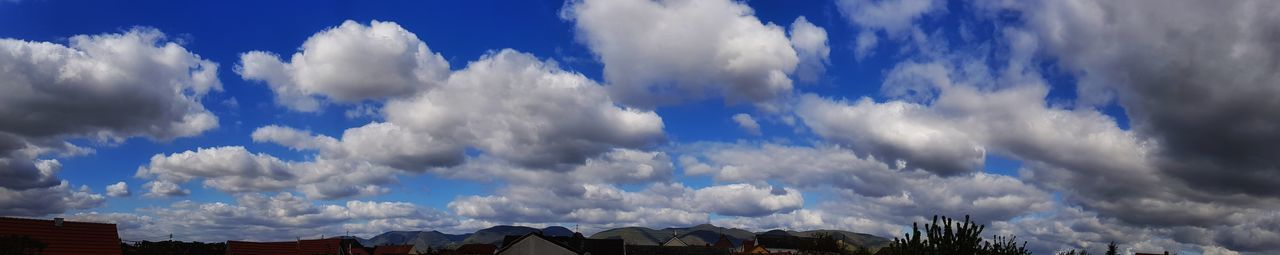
{"type": "Point", "coordinates": [707, 234]}
{"type": "Point", "coordinates": [423, 239]}
{"type": "Point", "coordinates": [696, 235]}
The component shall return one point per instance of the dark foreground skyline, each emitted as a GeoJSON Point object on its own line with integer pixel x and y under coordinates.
{"type": "Point", "coordinates": [1070, 124]}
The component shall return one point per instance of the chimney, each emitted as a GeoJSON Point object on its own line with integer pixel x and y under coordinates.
{"type": "Point", "coordinates": [57, 222]}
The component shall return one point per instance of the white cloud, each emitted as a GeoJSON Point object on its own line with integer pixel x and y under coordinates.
{"type": "Point", "coordinates": [161, 81]}
{"type": "Point", "coordinates": [747, 200]}
{"type": "Point", "coordinates": [895, 18]}
{"type": "Point", "coordinates": [866, 188]}
{"type": "Point", "coordinates": [507, 104]}
{"type": "Point", "coordinates": [379, 142]}
{"type": "Point", "coordinates": [120, 189]}
{"type": "Point", "coordinates": [516, 107]}
{"type": "Point", "coordinates": [1204, 87]}
{"type": "Point", "coordinates": [227, 169]}
{"type": "Point", "coordinates": [666, 52]}
{"type": "Point", "coordinates": [810, 42]}
{"type": "Point", "coordinates": [894, 131]}
{"type": "Point", "coordinates": [659, 204]}
{"type": "Point", "coordinates": [159, 188]}
{"type": "Point", "coordinates": [348, 63]}
{"type": "Point", "coordinates": [747, 123]}
{"type": "Point", "coordinates": [48, 200]}
{"type": "Point", "coordinates": [234, 169]}
{"type": "Point", "coordinates": [279, 217]}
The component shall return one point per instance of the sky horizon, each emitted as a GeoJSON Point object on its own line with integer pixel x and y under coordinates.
{"type": "Point", "coordinates": [1070, 124]}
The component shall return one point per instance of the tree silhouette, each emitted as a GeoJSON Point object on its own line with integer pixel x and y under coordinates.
{"type": "Point", "coordinates": [951, 238]}
{"type": "Point", "coordinates": [1111, 249]}
{"type": "Point", "coordinates": [1074, 252]}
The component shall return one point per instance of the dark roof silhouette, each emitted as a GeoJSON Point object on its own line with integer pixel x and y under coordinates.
{"type": "Point", "coordinates": [393, 250]}
{"type": "Point", "coordinates": [310, 247]}
{"type": "Point", "coordinates": [577, 244]}
{"type": "Point", "coordinates": [261, 248]}
{"type": "Point", "coordinates": [723, 242]}
{"type": "Point", "coordinates": [70, 237]}
{"type": "Point", "coordinates": [477, 248]}
{"type": "Point", "coordinates": [676, 250]}
{"type": "Point", "coordinates": [793, 242]}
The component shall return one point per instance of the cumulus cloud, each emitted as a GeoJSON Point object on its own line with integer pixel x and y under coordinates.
{"type": "Point", "coordinates": [810, 42]}
{"type": "Point", "coordinates": [592, 193]}
{"type": "Point", "coordinates": [880, 192]}
{"type": "Point", "coordinates": [48, 200]}
{"type": "Point", "coordinates": [278, 217]}
{"type": "Point", "coordinates": [349, 63]}
{"type": "Point", "coordinates": [670, 51]}
{"type": "Point", "coordinates": [57, 92]}
{"type": "Point", "coordinates": [894, 131]}
{"type": "Point", "coordinates": [380, 143]}
{"type": "Point", "coordinates": [227, 169]}
{"type": "Point", "coordinates": [1204, 87]}
{"type": "Point", "coordinates": [747, 123]}
{"type": "Point", "coordinates": [605, 204]}
{"type": "Point", "coordinates": [895, 18]}
{"type": "Point", "coordinates": [120, 189]}
{"type": "Point", "coordinates": [159, 188]}
{"type": "Point", "coordinates": [508, 104]}
{"type": "Point", "coordinates": [233, 169]}
{"type": "Point", "coordinates": [1127, 179]}
{"type": "Point", "coordinates": [514, 106]}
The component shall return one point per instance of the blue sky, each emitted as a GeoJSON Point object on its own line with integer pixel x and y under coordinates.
{"type": "Point", "coordinates": [863, 115]}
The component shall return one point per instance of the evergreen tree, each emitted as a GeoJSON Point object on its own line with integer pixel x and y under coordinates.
{"type": "Point", "coordinates": [1111, 249]}
{"type": "Point", "coordinates": [951, 238]}
{"type": "Point", "coordinates": [1074, 252]}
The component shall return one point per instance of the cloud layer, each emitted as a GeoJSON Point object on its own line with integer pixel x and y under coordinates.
{"type": "Point", "coordinates": [53, 93]}
{"type": "Point", "coordinates": [1162, 136]}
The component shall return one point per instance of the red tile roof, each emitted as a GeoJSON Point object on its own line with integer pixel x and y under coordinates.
{"type": "Point", "coordinates": [322, 246]}
{"type": "Point", "coordinates": [71, 238]}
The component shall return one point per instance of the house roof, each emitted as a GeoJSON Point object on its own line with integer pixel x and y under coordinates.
{"type": "Point", "coordinates": [794, 242]}
{"type": "Point", "coordinates": [576, 244]}
{"type": "Point", "coordinates": [593, 246]}
{"type": "Point", "coordinates": [675, 241]}
{"type": "Point", "coordinates": [71, 238]}
{"type": "Point", "coordinates": [395, 250]}
{"type": "Point", "coordinates": [317, 246]}
{"type": "Point", "coordinates": [723, 242]}
{"type": "Point", "coordinates": [509, 241]}
{"type": "Point", "coordinates": [477, 248]}
{"type": "Point", "coordinates": [676, 250]}
{"type": "Point", "coordinates": [750, 247]}
{"type": "Point", "coordinates": [324, 246]}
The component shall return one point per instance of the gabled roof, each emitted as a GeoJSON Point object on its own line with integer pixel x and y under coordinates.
{"type": "Point", "coordinates": [576, 244]}
{"type": "Point", "coordinates": [675, 241]}
{"type": "Point", "coordinates": [723, 242]}
{"type": "Point", "coordinates": [70, 238]}
{"type": "Point", "coordinates": [750, 247]}
{"type": "Point", "coordinates": [510, 241]}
